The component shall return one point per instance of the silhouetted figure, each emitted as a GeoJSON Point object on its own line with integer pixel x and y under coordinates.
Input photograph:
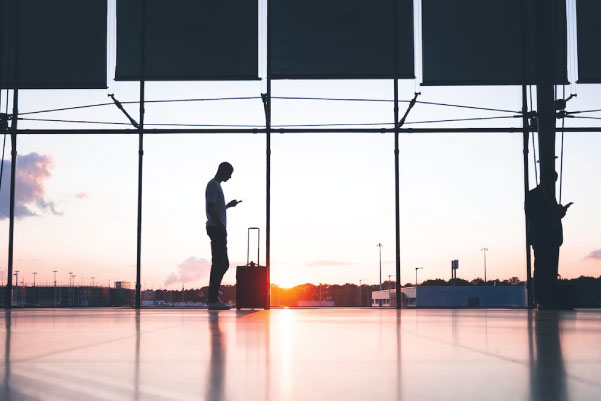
{"type": "Point", "coordinates": [216, 229]}
{"type": "Point", "coordinates": [545, 234]}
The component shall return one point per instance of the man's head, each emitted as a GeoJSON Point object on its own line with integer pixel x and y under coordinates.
{"type": "Point", "coordinates": [224, 172]}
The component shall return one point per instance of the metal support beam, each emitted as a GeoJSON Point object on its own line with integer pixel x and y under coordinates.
{"type": "Point", "coordinates": [11, 225]}
{"type": "Point", "coordinates": [233, 131]}
{"type": "Point", "coordinates": [267, 100]}
{"type": "Point", "coordinates": [140, 156]}
{"type": "Point", "coordinates": [545, 16]}
{"type": "Point", "coordinates": [397, 125]}
{"type": "Point", "coordinates": [397, 217]}
{"type": "Point", "coordinates": [13, 154]}
{"type": "Point", "coordinates": [526, 138]}
{"type": "Point", "coordinates": [546, 121]}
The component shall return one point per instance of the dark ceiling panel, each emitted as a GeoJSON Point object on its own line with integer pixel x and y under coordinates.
{"type": "Point", "coordinates": [58, 44]}
{"type": "Point", "coordinates": [589, 41]}
{"type": "Point", "coordinates": [188, 40]}
{"type": "Point", "coordinates": [475, 42]}
{"type": "Point", "coordinates": [334, 39]}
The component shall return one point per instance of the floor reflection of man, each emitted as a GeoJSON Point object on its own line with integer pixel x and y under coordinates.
{"type": "Point", "coordinates": [547, 373]}
{"type": "Point", "coordinates": [216, 375]}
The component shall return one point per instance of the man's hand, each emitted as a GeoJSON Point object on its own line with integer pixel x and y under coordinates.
{"type": "Point", "coordinates": [565, 208]}
{"type": "Point", "coordinates": [233, 203]}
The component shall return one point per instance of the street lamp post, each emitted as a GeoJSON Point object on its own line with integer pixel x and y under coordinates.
{"type": "Point", "coordinates": [360, 298]}
{"type": "Point", "coordinates": [416, 269]}
{"type": "Point", "coordinates": [380, 248]}
{"type": "Point", "coordinates": [389, 285]}
{"type": "Point", "coordinates": [16, 286]}
{"type": "Point", "coordinates": [35, 298]}
{"type": "Point", "coordinates": [54, 271]}
{"type": "Point", "coordinates": [484, 250]}
{"type": "Point", "coordinates": [71, 281]}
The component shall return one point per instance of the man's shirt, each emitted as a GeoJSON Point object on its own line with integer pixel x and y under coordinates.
{"type": "Point", "coordinates": [214, 194]}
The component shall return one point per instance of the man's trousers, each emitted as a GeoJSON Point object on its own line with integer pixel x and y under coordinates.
{"type": "Point", "coordinates": [219, 260]}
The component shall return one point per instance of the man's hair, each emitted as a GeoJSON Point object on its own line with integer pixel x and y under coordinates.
{"type": "Point", "coordinates": [225, 167]}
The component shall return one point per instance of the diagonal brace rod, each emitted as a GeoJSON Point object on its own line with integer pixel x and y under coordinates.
{"type": "Point", "coordinates": [411, 104]}
{"type": "Point", "coordinates": [120, 107]}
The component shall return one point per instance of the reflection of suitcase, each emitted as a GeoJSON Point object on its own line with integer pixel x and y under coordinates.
{"type": "Point", "coordinates": [251, 280]}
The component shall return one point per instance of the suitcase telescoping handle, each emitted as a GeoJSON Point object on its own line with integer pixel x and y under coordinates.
{"type": "Point", "coordinates": [248, 245]}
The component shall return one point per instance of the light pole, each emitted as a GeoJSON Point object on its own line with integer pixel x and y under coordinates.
{"type": "Point", "coordinates": [484, 250]}
{"type": "Point", "coordinates": [360, 299]}
{"type": "Point", "coordinates": [416, 269]}
{"type": "Point", "coordinates": [16, 286]}
{"type": "Point", "coordinates": [35, 298]}
{"type": "Point", "coordinates": [71, 279]}
{"type": "Point", "coordinates": [93, 281]}
{"type": "Point", "coordinates": [380, 248]}
{"type": "Point", "coordinates": [54, 271]}
{"type": "Point", "coordinates": [389, 285]}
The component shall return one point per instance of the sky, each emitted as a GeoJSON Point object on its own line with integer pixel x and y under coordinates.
{"type": "Point", "coordinates": [332, 194]}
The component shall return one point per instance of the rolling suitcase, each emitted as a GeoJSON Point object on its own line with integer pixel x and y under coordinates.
{"type": "Point", "coordinates": [252, 286]}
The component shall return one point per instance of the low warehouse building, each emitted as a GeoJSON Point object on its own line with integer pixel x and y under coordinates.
{"type": "Point", "coordinates": [443, 296]}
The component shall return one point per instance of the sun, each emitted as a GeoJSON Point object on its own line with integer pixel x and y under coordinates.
{"type": "Point", "coordinates": [285, 282]}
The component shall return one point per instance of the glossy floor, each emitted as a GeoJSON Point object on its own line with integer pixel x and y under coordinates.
{"type": "Point", "coordinates": [301, 354]}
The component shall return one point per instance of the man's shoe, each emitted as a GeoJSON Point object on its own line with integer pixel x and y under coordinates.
{"type": "Point", "coordinates": [218, 306]}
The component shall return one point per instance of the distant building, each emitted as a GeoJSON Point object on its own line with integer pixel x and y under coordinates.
{"type": "Point", "coordinates": [315, 303]}
{"type": "Point", "coordinates": [123, 284]}
{"type": "Point", "coordinates": [449, 296]}
{"type": "Point", "coordinates": [165, 304]}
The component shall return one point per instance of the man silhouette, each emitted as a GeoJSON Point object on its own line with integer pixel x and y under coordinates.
{"type": "Point", "coordinates": [216, 229]}
{"type": "Point", "coordinates": [545, 234]}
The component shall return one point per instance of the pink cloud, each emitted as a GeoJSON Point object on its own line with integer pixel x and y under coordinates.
{"type": "Point", "coordinates": [33, 170]}
{"type": "Point", "coordinates": [594, 254]}
{"type": "Point", "coordinates": [191, 269]}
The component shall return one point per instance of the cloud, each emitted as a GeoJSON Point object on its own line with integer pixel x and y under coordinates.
{"type": "Point", "coordinates": [81, 195]}
{"type": "Point", "coordinates": [172, 278]}
{"type": "Point", "coordinates": [191, 269]}
{"type": "Point", "coordinates": [32, 172]}
{"type": "Point", "coordinates": [594, 254]}
{"type": "Point", "coordinates": [327, 263]}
